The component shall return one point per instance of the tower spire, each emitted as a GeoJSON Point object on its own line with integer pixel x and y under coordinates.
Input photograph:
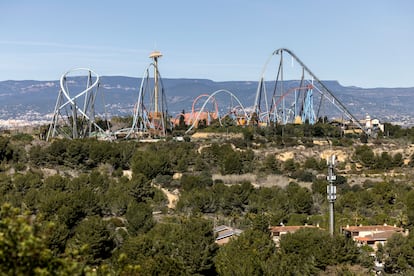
{"type": "Point", "coordinates": [154, 56]}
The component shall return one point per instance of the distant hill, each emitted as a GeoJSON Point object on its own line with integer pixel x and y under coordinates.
{"type": "Point", "coordinates": [30, 99]}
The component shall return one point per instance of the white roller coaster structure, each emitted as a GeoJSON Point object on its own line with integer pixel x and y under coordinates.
{"type": "Point", "coordinates": [151, 119]}
{"type": "Point", "coordinates": [74, 114]}
{"type": "Point", "coordinates": [236, 111]}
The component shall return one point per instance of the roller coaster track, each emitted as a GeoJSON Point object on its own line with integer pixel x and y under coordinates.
{"type": "Point", "coordinates": [320, 87]}
{"type": "Point", "coordinates": [74, 116]}
{"type": "Point", "coordinates": [212, 97]}
{"type": "Point", "coordinates": [148, 120]}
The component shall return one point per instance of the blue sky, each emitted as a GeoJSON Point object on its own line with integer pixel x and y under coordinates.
{"type": "Point", "coordinates": [367, 43]}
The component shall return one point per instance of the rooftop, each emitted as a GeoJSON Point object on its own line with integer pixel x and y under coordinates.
{"type": "Point", "coordinates": [381, 236]}
{"type": "Point", "coordinates": [376, 228]}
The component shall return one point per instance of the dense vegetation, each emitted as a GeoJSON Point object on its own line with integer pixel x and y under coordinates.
{"type": "Point", "coordinates": [95, 207]}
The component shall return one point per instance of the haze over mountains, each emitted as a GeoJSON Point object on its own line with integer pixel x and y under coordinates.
{"type": "Point", "coordinates": [33, 100]}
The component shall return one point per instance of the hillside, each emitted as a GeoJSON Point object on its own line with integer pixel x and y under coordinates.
{"type": "Point", "coordinates": [33, 100]}
{"type": "Point", "coordinates": [136, 208]}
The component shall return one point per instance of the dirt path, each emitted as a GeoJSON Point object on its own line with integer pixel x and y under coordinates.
{"type": "Point", "coordinates": [172, 198]}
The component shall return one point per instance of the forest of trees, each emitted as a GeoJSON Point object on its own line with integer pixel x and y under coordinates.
{"type": "Point", "coordinates": [68, 207]}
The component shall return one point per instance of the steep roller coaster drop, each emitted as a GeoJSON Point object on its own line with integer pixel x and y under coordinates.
{"type": "Point", "coordinates": [296, 96]}
{"type": "Point", "coordinates": [307, 95]}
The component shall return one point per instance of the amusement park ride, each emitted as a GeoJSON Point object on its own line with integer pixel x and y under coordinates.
{"type": "Point", "coordinates": [74, 115]}
{"type": "Point", "coordinates": [302, 99]}
{"type": "Point", "coordinates": [307, 98]}
{"type": "Point", "coordinates": [151, 119]}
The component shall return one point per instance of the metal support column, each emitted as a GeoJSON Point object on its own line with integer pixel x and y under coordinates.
{"type": "Point", "coordinates": [331, 192]}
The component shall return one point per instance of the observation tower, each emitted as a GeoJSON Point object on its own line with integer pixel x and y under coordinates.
{"type": "Point", "coordinates": [154, 56]}
{"type": "Point", "coordinates": [151, 119]}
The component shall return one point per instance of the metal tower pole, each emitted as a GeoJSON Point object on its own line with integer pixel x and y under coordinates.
{"type": "Point", "coordinates": [331, 192]}
{"type": "Point", "coordinates": [155, 55]}
{"type": "Point", "coordinates": [156, 85]}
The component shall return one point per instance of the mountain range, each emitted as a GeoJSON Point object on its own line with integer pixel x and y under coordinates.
{"type": "Point", "coordinates": [34, 100]}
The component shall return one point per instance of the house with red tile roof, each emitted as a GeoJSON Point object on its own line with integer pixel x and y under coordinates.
{"type": "Point", "coordinates": [372, 235]}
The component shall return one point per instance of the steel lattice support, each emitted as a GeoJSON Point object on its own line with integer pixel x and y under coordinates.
{"type": "Point", "coordinates": [308, 113]}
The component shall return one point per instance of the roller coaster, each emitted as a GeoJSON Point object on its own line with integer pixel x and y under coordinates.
{"type": "Point", "coordinates": [150, 117]}
{"type": "Point", "coordinates": [234, 110]}
{"type": "Point", "coordinates": [74, 115]}
{"type": "Point", "coordinates": [302, 99]}
{"type": "Point", "coordinates": [195, 117]}
{"type": "Point", "coordinates": [292, 94]}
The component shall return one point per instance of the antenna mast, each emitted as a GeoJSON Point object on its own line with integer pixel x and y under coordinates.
{"type": "Point", "coordinates": [331, 192]}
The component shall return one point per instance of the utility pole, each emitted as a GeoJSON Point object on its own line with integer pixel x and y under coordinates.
{"type": "Point", "coordinates": [331, 192]}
